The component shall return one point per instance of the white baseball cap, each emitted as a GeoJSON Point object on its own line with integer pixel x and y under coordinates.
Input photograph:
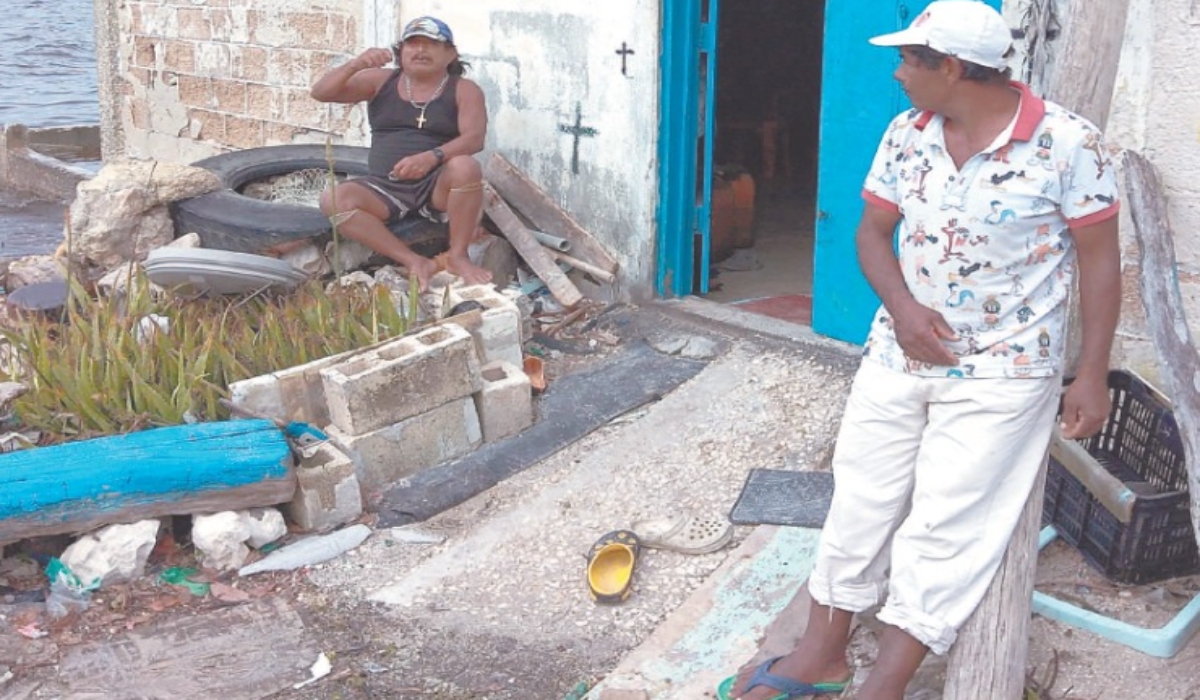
{"type": "Point", "coordinates": [968, 30]}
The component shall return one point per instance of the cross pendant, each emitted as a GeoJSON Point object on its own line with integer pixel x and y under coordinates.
{"type": "Point", "coordinates": [421, 119]}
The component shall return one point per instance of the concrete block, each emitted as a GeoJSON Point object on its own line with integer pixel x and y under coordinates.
{"type": "Point", "coordinates": [405, 378]}
{"type": "Point", "coordinates": [498, 333]}
{"type": "Point", "coordinates": [293, 394]}
{"type": "Point", "coordinates": [327, 489]}
{"type": "Point", "coordinates": [505, 403]}
{"type": "Point", "coordinates": [385, 456]}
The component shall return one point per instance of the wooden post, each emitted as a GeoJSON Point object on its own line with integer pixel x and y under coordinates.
{"type": "Point", "coordinates": [988, 661]}
{"type": "Point", "coordinates": [533, 202]}
{"type": "Point", "coordinates": [1177, 358]}
{"type": "Point", "coordinates": [534, 253]}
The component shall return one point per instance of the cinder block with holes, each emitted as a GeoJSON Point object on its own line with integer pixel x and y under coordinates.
{"type": "Point", "coordinates": [505, 403]}
{"type": "Point", "coordinates": [327, 489]}
{"type": "Point", "coordinates": [385, 456]}
{"type": "Point", "coordinates": [406, 378]}
{"type": "Point", "coordinates": [498, 333]}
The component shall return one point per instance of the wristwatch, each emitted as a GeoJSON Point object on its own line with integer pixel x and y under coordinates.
{"type": "Point", "coordinates": [441, 156]}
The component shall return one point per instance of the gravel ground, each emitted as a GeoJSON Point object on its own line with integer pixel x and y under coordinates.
{"type": "Point", "coordinates": [497, 607]}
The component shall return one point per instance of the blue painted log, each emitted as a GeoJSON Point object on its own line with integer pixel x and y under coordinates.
{"type": "Point", "coordinates": [201, 468]}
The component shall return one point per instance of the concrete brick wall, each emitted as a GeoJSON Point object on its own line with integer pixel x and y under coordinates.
{"type": "Point", "coordinates": [198, 77]}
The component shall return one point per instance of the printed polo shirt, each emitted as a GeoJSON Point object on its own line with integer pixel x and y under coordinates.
{"type": "Point", "coordinates": [989, 246]}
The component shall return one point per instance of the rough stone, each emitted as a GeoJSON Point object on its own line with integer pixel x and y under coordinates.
{"type": "Point", "coordinates": [221, 539]}
{"type": "Point", "coordinates": [112, 554]}
{"type": "Point", "coordinates": [308, 259]}
{"type": "Point", "coordinates": [9, 392]}
{"type": "Point", "coordinates": [32, 270]}
{"type": "Point", "coordinates": [121, 214]}
{"type": "Point", "coordinates": [264, 525]}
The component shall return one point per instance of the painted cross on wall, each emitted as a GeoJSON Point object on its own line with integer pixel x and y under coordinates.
{"type": "Point", "coordinates": [578, 130]}
{"type": "Point", "coordinates": [625, 52]}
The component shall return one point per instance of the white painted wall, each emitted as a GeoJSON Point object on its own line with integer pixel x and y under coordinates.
{"type": "Point", "coordinates": [536, 60]}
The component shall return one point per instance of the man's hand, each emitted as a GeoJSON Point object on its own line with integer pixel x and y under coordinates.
{"type": "Point", "coordinates": [921, 332]}
{"type": "Point", "coordinates": [372, 58]}
{"type": "Point", "coordinates": [414, 167]}
{"type": "Point", "coordinates": [1085, 407]}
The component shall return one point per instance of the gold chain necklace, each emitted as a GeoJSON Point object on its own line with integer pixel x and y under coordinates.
{"type": "Point", "coordinates": [408, 87]}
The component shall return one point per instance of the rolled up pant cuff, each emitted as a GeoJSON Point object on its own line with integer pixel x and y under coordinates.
{"type": "Point", "coordinates": [854, 597]}
{"type": "Point", "coordinates": [933, 633]}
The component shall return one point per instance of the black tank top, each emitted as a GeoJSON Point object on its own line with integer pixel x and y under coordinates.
{"type": "Point", "coordinates": [393, 120]}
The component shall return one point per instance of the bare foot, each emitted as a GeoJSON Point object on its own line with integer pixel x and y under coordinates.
{"type": "Point", "coordinates": [424, 269]}
{"type": "Point", "coordinates": [471, 273]}
{"type": "Point", "coordinates": [792, 666]}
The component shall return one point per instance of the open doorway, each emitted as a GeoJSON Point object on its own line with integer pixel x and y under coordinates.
{"type": "Point", "coordinates": [767, 126]}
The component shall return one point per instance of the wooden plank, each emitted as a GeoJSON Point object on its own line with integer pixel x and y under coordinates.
{"type": "Point", "coordinates": [534, 253]}
{"type": "Point", "coordinates": [533, 202]}
{"type": "Point", "coordinates": [207, 467]}
{"type": "Point", "coordinates": [1178, 362]}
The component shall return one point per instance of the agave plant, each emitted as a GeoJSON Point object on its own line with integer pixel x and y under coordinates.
{"type": "Point", "coordinates": [118, 364]}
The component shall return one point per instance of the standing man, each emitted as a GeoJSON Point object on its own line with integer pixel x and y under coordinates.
{"type": "Point", "coordinates": [981, 203]}
{"type": "Point", "coordinates": [427, 122]}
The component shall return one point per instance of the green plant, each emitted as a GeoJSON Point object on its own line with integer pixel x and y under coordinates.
{"type": "Point", "coordinates": [110, 367]}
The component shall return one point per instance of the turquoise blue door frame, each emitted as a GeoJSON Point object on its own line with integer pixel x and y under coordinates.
{"type": "Point", "coordinates": [859, 98]}
{"type": "Point", "coordinates": [689, 38]}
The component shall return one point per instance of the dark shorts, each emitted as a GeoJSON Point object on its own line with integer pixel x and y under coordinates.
{"type": "Point", "coordinates": [403, 198]}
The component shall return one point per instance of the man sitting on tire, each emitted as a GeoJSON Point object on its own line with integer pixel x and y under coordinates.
{"type": "Point", "coordinates": [427, 122]}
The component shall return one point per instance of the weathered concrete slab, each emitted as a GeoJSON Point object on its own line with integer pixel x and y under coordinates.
{"type": "Point", "coordinates": [241, 653]}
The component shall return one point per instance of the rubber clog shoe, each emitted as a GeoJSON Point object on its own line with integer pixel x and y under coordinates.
{"type": "Point", "coordinates": [686, 533]}
{"type": "Point", "coordinates": [610, 566]}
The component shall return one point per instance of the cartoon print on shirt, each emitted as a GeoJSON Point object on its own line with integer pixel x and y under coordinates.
{"type": "Point", "coordinates": [922, 272]}
{"type": "Point", "coordinates": [921, 172]}
{"type": "Point", "coordinates": [996, 180]}
{"type": "Point", "coordinates": [1042, 155]}
{"type": "Point", "coordinates": [998, 216]}
{"type": "Point", "coordinates": [961, 371]}
{"type": "Point", "coordinates": [1089, 198]}
{"type": "Point", "coordinates": [920, 237]}
{"type": "Point", "coordinates": [888, 178]}
{"type": "Point", "coordinates": [1025, 313]}
{"type": "Point", "coordinates": [1042, 247]}
{"type": "Point", "coordinates": [1091, 142]}
{"type": "Point", "coordinates": [1000, 155]}
{"type": "Point", "coordinates": [991, 312]}
{"type": "Point", "coordinates": [1044, 343]}
{"type": "Point", "coordinates": [955, 235]}
{"type": "Point", "coordinates": [959, 297]}
{"type": "Point", "coordinates": [1016, 285]}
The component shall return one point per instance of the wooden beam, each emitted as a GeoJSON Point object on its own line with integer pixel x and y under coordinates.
{"type": "Point", "coordinates": [203, 468]}
{"type": "Point", "coordinates": [533, 202]}
{"type": "Point", "coordinates": [534, 253]}
{"type": "Point", "coordinates": [1178, 362]}
{"type": "Point", "coordinates": [988, 660]}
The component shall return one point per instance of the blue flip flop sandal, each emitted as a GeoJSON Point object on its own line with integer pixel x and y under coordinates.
{"type": "Point", "coordinates": [789, 689]}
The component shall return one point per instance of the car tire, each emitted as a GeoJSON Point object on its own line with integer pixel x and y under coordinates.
{"type": "Point", "coordinates": [226, 219]}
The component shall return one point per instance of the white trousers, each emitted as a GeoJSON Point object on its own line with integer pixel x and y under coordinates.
{"type": "Point", "coordinates": [931, 477]}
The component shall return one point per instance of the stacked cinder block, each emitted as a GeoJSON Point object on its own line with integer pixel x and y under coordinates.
{"type": "Point", "coordinates": [497, 333]}
{"type": "Point", "coordinates": [400, 406]}
{"type": "Point", "coordinates": [406, 406]}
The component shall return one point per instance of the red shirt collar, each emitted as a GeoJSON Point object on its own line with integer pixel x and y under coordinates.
{"type": "Point", "coordinates": [1030, 114]}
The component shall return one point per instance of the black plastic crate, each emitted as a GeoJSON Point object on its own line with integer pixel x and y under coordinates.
{"type": "Point", "coordinates": [1141, 448]}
